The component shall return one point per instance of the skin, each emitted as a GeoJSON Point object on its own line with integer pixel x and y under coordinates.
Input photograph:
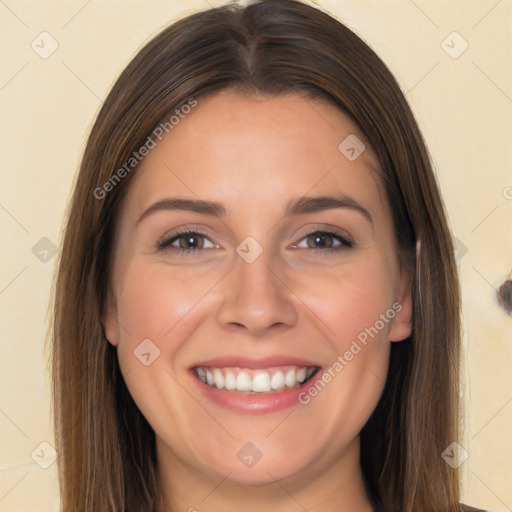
{"type": "Point", "coordinates": [255, 155]}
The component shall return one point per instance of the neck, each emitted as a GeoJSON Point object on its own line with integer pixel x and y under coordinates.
{"type": "Point", "coordinates": [336, 488]}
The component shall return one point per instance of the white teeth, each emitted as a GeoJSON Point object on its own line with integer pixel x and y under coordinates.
{"type": "Point", "coordinates": [261, 382]}
{"type": "Point", "coordinates": [301, 375]}
{"type": "Point", "coordinates": [255, 381]}
{"type": "Point", "coordinates": [289, 378]}
{"type": "Point", "coordinates": [243, 382]}
{"type": "Point", "coordinates": [218, 378]}
{"type": "Point", "coordinates": [277, 381]}
{"type": "Point", "coordinates": [230, 380]}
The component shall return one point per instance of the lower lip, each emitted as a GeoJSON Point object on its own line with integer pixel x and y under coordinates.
{"type": "Point", "coordinates": [257, 402]}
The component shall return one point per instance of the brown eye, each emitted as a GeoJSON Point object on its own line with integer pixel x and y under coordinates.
{"type": "Point", "coordinates": [186, 242]}
{"type": "Point", "coordinates": [320, 240]}
{"type": "Point", "coordinates": [324, 240]}
{"type": "Point", "coordinates": [191, 241]}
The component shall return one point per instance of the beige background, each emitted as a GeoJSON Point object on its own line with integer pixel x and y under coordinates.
{"type": "Point", "coordinates": [464, 108]}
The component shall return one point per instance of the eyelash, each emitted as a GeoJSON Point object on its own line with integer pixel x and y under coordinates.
{"type": "Point", "coordinates": [165, 242]}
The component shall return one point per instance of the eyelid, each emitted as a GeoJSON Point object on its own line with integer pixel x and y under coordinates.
{"type": "Point", "coordinates": [342, 241]}
{"type": "Point", "coordinates": [323, 228]}
{"type": "Point", "coordinates": [165, 241]}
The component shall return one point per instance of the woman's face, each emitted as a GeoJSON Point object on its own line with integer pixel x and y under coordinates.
{"type": "Point", "coordinates": [284, 291]}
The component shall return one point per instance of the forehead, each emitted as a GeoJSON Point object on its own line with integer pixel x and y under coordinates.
{"type": "Point", "coordinates": [249, 151]}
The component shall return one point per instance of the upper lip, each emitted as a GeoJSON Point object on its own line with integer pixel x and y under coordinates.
{"type": "Point", "coordinates": [255, 363]}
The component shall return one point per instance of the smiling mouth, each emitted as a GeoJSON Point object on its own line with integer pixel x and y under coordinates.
{"type": "Point", "coordinates": [252, 381]}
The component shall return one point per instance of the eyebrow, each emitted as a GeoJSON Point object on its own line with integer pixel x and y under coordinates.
{"type": "Point", "coordinates": [192, 205]}
{"type": "Point", "coordinates": [305, 205]}
{"type": "Point", "coordinates": [301, 206]}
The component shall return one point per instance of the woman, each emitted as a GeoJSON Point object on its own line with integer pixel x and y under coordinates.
{"type": "Point", "coordinates": [257, 304]}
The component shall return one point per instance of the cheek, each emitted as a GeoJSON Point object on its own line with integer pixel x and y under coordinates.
{"type": "Point", "coordinates": [356, 306]}
{"type": "Point", "coordinates": [351, 301]}
{"type": "Point", "coordinates": [158, 309]}
{"type": "Point", "coordinates": [155, 301]}
{"type": "Point", "coordinates": [157, 312]}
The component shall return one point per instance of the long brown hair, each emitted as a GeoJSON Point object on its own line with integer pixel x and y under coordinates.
{"type": "Point", "coordinates": [107, 459]}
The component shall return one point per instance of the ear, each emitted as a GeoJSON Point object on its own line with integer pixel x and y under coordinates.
{"type": "Point", "coordinates": [402, 323]}
{"type": "Point", "coordinates": [109, 319]}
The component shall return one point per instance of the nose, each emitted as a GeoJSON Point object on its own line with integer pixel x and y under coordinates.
{"type": "Point", "coordinates": [256, 299]}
